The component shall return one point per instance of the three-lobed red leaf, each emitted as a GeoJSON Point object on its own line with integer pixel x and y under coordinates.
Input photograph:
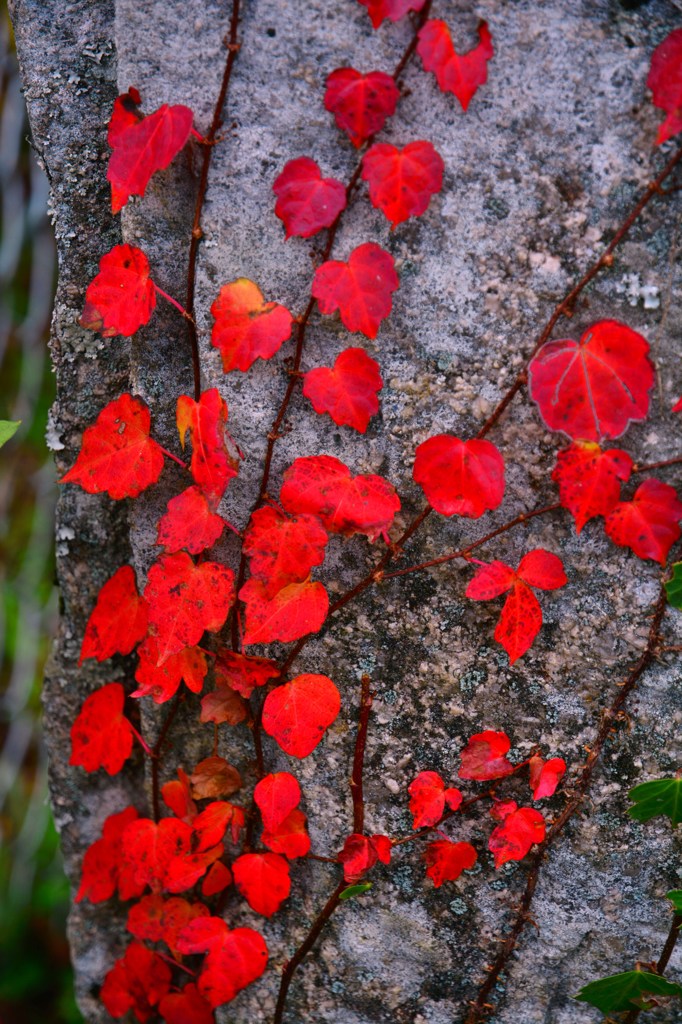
{"type": "Point", "coordinates": [359, 288]}
{"type": "Point", "coordinates": [402, 181]}
{"type": "Point", "coordinates": [119, 619]}
{"type": "Point", "coordinates": [648, 524]}
{"type": "Point", "coordinates": [121, 298]}
{"type": "Point", "coordinates": [247, 327]}
{"type": "Point", "coordinates": [446, 860]}
{"type": "Point", "coordinates": [137, 982]}
{"type": "Point", "coordinates": [348, 390]}
{"type": "Point", "coordinates": [235, 957]}
{"type": "Point", "coordinates": [103, 870]}
{"type": "Point", "coordinates": [307, 202]}
{"type": "Point", "coordinates": [283, 549]}
{"type": "Point", "coordinates": [360, 853]}
{"type": "Point", "coordinates": [464, 478]}
{"type": "Point", "coordinates": [429, 797]}
{"type": "Point", "coordinates": [102, 736]}
{"type": "Point", "coordinates": [455, 73]}
{"type": "Point", "coordinates": [589, 479]}
{"type": "Point", "coordinates": [665, 82]}
{"type": "Point", "coordinates": [513, 838]}
{"type": "Point", "coordinates": [160, 678]}
{"type": "Point", "coordinates": [298, 713]}
{"type": "Point", "coordinates": [360, 103]}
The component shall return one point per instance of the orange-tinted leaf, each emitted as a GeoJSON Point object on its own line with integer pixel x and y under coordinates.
{"type": "Point", "coordinates": [218, 877]}
{"type": "Point", "coordinates": [322, 485]}
{"type": "Point", "coordinates": [275, 796]}
{"type": "Point", "coordinates": [394, 10]}
{"type": "Point", "coordinates": [545, 776]}
{"type": "Point", "coordinates": [360, 288]}
{"type": "Point", "coordinates": [289, 837]}
{"type": "Point", "coordinates": [483, 757]}
{"type": "Point", "coordinates": [137, 982]}
{"type": "Point", "coordinates": [161, 920]}
{"type": "Point", "coordinates": [235, 957]}
{"type": "Point", "coordinates": [649, 523]}
{"type": "Point", "coordinates": [464, 478]}
{"type": "Point", "coordinates": [297, 713]}
{"type": "Point", "coordinates": [212, 465]}
{"type": "Point", "coordinates": [224, 706]}
{"type": "Point", "coordinates": [283, 550]}
{"type": "Point", "coordinates": [214, 776]}
{"type": "Point", "coordinates": [177, 797]}
{"type": "Point", "coordinates": [185, 600]}
{"type": "Point", "coordinates": [307, 202]}
{"type": "Point", "coordinates": [161, 681]}
{"type": "Point", "coordinates": [149, 848]}
{"type": "Point", "coordinates": [593, 388]}
{"type": "Point", "coordinates": [119, 619]}
{"type": "Point", "coordinates": [247, 327]}
{"type": "Point", "coordinates": [189, 523]}
{"type": "Point", "coordinates": [665, 82]}
{"type": "Point", "coordinates": [186, 1007]}
{"type": "Point", "coordinates": [360, 853]}
{"type": "Point", "coordinates": [117, 454]}
{"type": "Point", "coordinates": [211, 824]}
{"type": "Point", "coordinates": [101, 736]}
{"type": "Point", "coordinates": [103, 870]}
{"type": "Point", "coordinates": [121, 298]}
{"type": "Point", "coordinates": [348, 391]}
{"type": "Point", "coordinates": [185, 870]}
{"type": "Point", "coordinates": [293, 612]}
{"type": "Point", "coordinates": [455, 73]}
{"type": "Point", "coordinates": [501, 809]}
{"type": "Point", "coordinates": [428, 798]}
{"type": "Point", "coordinates": [144, 147]}
{"type": "Point", "coordinates": [244, 673]}
{"type": "Point", "coordinates": [589, 479]}
{"type": "Point", "coordinates": [402, 181]}
{"type": "Point", "coordinates": [360, 103]}
{"type": "Point", "coordinates": [513, 838]}
{"type": "Point", "coordinates": [263, 880]}
{"type": "Point", "coordinates": [446, 860]}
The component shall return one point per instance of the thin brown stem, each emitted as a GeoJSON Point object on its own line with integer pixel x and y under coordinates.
{"type": "Point", "coordinates": [207, 143]}
{"type": "Point", "coordinates": [649, 467]}
{"type": "Point", "coordinates": [567, 304]}
{"type": "Point", "coordinates": [662, 963]}
{"type": "Point", "coordinates": [481, 1005]}
{"type": "Point", "coordinates": [356, 781]}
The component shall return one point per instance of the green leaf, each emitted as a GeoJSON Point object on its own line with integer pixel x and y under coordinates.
{"type": "Point", "coordinates": [673, 587]}
{"type": "Point", "coordinates": [8, 428]}
{"type": "Point", "coordinates": [355, 890]}
{"type": "Point", "coordinates": [661, 796]}
{"type": "Point", "coordinates": [675, 897]}
{"type": "Point", "coordinates": [623, 991]}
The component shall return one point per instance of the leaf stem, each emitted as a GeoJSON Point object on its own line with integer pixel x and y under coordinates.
{"type": "Point", "coordinates": [649, 467]}
{"type": "Point", "coordinates": [173, 457]}
{"type": "Point", "coordinates": [173, 302]}
{"type": "Point", "coordinates": [662, 963]}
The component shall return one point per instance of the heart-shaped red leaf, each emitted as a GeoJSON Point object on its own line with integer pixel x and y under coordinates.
{"type": "Point", "coordinates": [464, 478]}
{"type": "Point", "coordinates": [483, 757]}
{"type": "Point", "coordinates": [513, 838]}
{"type": "Point", "coordinates": [275, 796]}
{"type": "Point", "coordinates": [101, 736]}
{"type": "Point", "coordinates": [360, 103]}
{"type": "Point", "coordinates": [649, 523]}
{"type": "Point", "coordinates": [247, 327]}
{"type": "Point", "coordinates": [402, 181]}
{"type": "Point", "coordinates": [307, 202]}
{"type": "Point", "coordinates": [298, 713]}
{"type": "Point", "coordinates": [446, 860]}
{"type": "Point", "coordinates": [360, 288]}
{"type": "Point", "coordinates": [455, 73]}
{"type": "Point", "coordinates": [235, 957]}
{"type": "Point", "coordinates": [348, 391]}
{"type": "Point", "coordinates": [589, 479]}
{"type": "Point", "coordinates": [283, 549]}
{"type": "Point", "coordinates": [121, 298]}
{"type": "Point", "coordinates": [263, 880]}
{"type": "Point", "coordinates": [189, 523]}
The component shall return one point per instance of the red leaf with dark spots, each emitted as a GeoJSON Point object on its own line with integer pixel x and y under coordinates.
{"type": "Point", "coordinates": [446, 860]}
{"type": "Point", "coordinates": [360, 103]}
{"type": "Point", "coordinates": [589, 479]}
{"type": "Point", "coordinates": [235, 957]}
{"type": "Point", "coordinates": [189, 523]}
{"type": "Point", "coordinates": [360, 288]}
{"type": "Point", "coordinates": [247, 327]}
{"type": "Point", "coordinates": [665, 82]}
{"type": "Point", "coordinates": [483, 757]}
{"type": "Point", "coordinates": [161, 681]}
{"type": "Point", "coordinates": [649, 523]}
{"type": "Point", "coordinates": [402, 181]}
{"type": "Point", "coordinates": [161, 920]}
{"type": "Point", "coordinates": [293, 612]}
{"type": "Point", "coordinates": [348, 391]}
{"type": "Point", "coordinates": [307, 202]}
{"type": "Point", "coordinates": [137, 982]}
{"type": "Point", "coordinates": [464, 478]}
{"type": "Point", "coordinates": [119, 619]}
{"type": "Point", "coordinates": [513, 838]}
{"type": "Point", "coordinates": [455, 73]}
{"type": "Point", "coordinates": [101, 736]}
{"type": "Point", "coordinates": [297, 713]}
{"type": "Point", "coordinates": [121, 298]}
{"type": "Point", "coordinates": [212, 465]}
{"type": "Point", "coordinates": [263, 880]}
{"type": "Point", "coordinates": [283, 550]}
{"type": "Point", "coordinates": [149, 848]}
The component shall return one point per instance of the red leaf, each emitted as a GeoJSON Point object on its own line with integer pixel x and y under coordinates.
{"type": "Point", "coordinates": [275, 796]}
{"type": "Point", "coordinates": [589, 479]}
{"type": "Point", "coordinates": [593, 388]}
{"type": "Point", "coordinates": [394, 10]}
{"type": "Point", "coordinates": [360, 289]}
{"type": "Point", "coordinates": [447, 860]}
{"type": "Point", "coordinates": [143, 148]}
{"type": "Point", "coordinates": [185, 600]}
{"type": "Point", "coordinates": [121, 298]}
{"type": "Point", "coordinates": [247, 327]}
{"type": "Point", "coordinates": [137, 982]}
{"type": "Point", "coordinates": [223, 706]}
{"type": "Point", "coordinates": [101, 736]}
{"type": "Point", "coordinates": [293, 612]}
{"type": "Point", "coordinates": [149, 849]}
{"type": "Point", "coordinates": [103, 870]}
{"type": "Point", "coordinates": [212, 466]}
{"type": "Point", "coordinates": [263, 880]}
{"type": "Point", "coordinates": [501, 809]}
{"type": "Point", "coordinates": [297, 713]}
{"type": "Point", "coordinates": [483, 757]}
{"type": "Point", "coordinates": [677, 406]}
{"type": "Point", "coordinates": [158, 920]}
{"type": "Point", "coordinates": [186, 1007]}
{"type": "Point", "coordinates": [218, 877]}
{"type": "Point", "coordinates": [360, 103]}
{"type": "Point", "coordinates": [322, 485]}
{"type": "Point", "coordinates": [458, 74]}
{"type": "Point", "coordinates": [464, 478]}
{"type": "Point", "coordinates": [648, 524]}
{"type": "Point", "coordinates": [235, 957]}
{"type": "Point", "coordinates": [360, 853]}
{"type": "Point", "coordinates": [665, 82]}
{"type": "Point", "coordinates": [214, 776]}
{"type": "Point", "coordinates": [177, 797]}
{"type": "Point", "coordinates": [542, 569]}
{"type": "Point", "coordinates": [189, 523]}
{"type": "Point", "coordinates": [545, 776]}
{"type": "Point", "coordinates": [289, 836]}
{"type": "Point", "coordinates": [429, 796]}
{"type": "Point", "coordinates": [402, 181]}
{"type": "Point", "coordinates": [125, 114]}
{"type": "Point", "coordinates": [117, 454]}
{"type": "Point", "coordinates": [490, 581]}
{"type": "Point", "coordinates": [512, 839]}
{"type": "Point", "coordinates": [244, 673]}
{"type": "Point", "coordinates": [161, 681]}
{"type": "Point", "coordinates": [119, 619]}
{"type": "Point", "coordinates": [283, 550]}
{"type": "Point", "coordinates": [348, 391]}
{"type": "Point", "coordinates": [306, 201]}
{"type": "Point", "coordinates": [209, 826]}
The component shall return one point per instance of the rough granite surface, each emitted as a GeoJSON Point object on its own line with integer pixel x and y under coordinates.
{"type": "Point", "coordinates": [539, 173]}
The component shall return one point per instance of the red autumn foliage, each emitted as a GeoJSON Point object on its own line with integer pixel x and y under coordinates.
{"type": "Point", "coordinates": [117, 454]}
{"type": "Point", "coordinates": [294, 611]}
{"type": "Point", "coordinates": [348, 390]}
{"type": "Point", "coordinates": [275, 796]}
{"type": "Point", "coordinates": [298, 713]}
{"type": "Point", "coordinates": [177, 796]}
{"type": "Point", "coordinates": [186, 1007]}
{"type": "Point", "coordinates": [360, 103]}
{"type": "Point", "coordinates": [189, 523]}
{"type": "Point", "coordinates": [235, 957]}
{"type": "Point", "coordinates": [665, 82]}
{"type": "Point", "coordinates": [455, 73]}
{"type": "Point", "coordinates": [121, 298]}
{"type": "Point", "coordinates": [464, 478]}
{"type": "Point", "coordinates": [214, 776]}
{"type": "Point", "coordinates": [360, 853]}
{"type": "Point", "coordinates": [307, 202]}
{"type": "Point", "coordinates": [161, 855]}
{"type": "Point", "coordinates": [289, 837]}
{"type": "Point", "coordinates": [217, 878]}
{"type": "Point", "coordinates": [483, 757]}
{"type": "Point", "coordinates": [360, 288]}
{"type": "Point", "coordinates": [446, 860]}
{"type": "Point", "coordinates": [137, 982]}
{"type": "Point", "coordinates": [648, 524]}
{"type": "Point", "coordinates": [402, 181]}
{"type": "Point", "coordinates": [394, 10]}
{"type": "Point", "coordinates": [161, 920]}
{"type": "Point", "coordinates": [263, 880]}
{"type": "Point", "coordinates": [119, 619]}
{"type": "Point", "coordinates": [513, 838]}
{"type": "Point", "coordinates": [247, 327]}
{"type": "Point", "coordinates": [283, 549]}
{"type": "Point", "coordinates": [244, 673]}
{"type": "Point", "coordinates": [545, 776]}
{"type": "Point", "coordinates": [102, 736]}
{"type": "Point", "coordinates": [103, 870]}
{"type": "Point", "coordinates": [211, 825]}
{"type": "Point", "coordinates": [160, 679]}
{"type": "Point", "coordinates": [212, 465]}
{"type": "Point", "coordinates": [429, 797]}
{"type": "Point", "coordinates": [589, 479]}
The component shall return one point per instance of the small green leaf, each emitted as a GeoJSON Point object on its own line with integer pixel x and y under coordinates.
{"type": "Point", "coordinates": [8, 428]}
{"type": "Point", "coordinates": [623, 991]}
{"type": "Point", "coordinates": [661, 796]}
{"type": "Point", "coordinates": [355, 890]}
{"type": "Point", "coordinates": [675, 897]}
{"type": "Point", "coordinates": [673, 587]}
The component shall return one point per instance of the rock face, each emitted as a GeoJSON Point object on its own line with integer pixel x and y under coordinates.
{"type": "Point", "coordinates": [548, 160]}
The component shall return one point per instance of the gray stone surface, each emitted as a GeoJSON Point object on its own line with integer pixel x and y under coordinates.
{"type": "Point", "coordinates": [539, 172]}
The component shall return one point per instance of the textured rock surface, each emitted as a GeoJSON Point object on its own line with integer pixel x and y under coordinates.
{"type": "Point", "coordinates": [539, 173]}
